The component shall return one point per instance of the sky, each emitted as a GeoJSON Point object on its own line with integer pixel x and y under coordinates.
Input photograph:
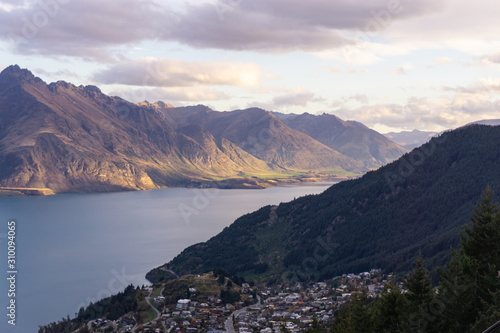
{"type": "Point", "coordinates": [393, 65]}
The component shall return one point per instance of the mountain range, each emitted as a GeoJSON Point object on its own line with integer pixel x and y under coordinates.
{"type": "Point", "coordinates": [351, 138]}
{"type": "Point", "coordinates": [70, 138]}
{"type": "Point", "coordinates": [65, 138]}
{"type": "Point", "coordinates": [266, 137]}
{"type": "Point", "coordinates": [410, 139]}
{"type": "Point", "coordinates": [414, 206]}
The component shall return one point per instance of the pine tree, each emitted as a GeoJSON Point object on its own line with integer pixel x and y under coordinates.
{"type": "Point", "coordinates": [481, 240]}
{"type": "Point", "coordinates": [488, 317]}
{"type": "Point", "coordinates": [389, 309]}
{"type": "Point", "coordinates": [357, 317]}
{"type": "Point", "coordinates": [456, 304]}
{"type": "Point", "coordinates": [420, 295]}
{"type": "Point", "coordinates": [470, 282]}
{"type": "Point", "coordinates": [480, 244]}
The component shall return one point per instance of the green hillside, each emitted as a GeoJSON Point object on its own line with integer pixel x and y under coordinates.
{"type": "Point", "coordinates": [385, 219]}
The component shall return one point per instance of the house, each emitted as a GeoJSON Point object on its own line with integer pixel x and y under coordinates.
{"type": "Point", "coordinates": [183, 304]}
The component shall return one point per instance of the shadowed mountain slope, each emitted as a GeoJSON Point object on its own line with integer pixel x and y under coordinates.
{"type": "Point", "coordinates": [350, 138]}
{"type": "Point", "coordinates": [415, 206]}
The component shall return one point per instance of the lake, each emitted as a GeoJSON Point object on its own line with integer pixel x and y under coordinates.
{"type": "Point", "coordinates": [72, 249]}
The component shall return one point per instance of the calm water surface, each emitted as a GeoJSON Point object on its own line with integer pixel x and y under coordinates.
{"type": "Point", "coordinates": [77, 248]}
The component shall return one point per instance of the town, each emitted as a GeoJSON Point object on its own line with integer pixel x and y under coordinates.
{"type": "Point", "coordinates": [246, 308]}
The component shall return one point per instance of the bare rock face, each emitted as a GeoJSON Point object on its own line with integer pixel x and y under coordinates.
{"type": "Point", "coordinates": [76, 139]}
{"type": "Point", "coordinates": [265, 136]}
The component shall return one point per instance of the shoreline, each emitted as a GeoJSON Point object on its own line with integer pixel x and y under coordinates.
{"type": "Point", "coordinates": [251, 183]}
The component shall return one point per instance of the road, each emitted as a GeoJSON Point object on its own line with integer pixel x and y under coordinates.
{"type": "Point", "coordinates": [148, 299]}
{"type": "Point", "coordinates": [229, 322]}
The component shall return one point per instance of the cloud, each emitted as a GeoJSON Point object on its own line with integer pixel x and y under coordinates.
{"type": "Point", "coordinates": [400, 70]}
{"type": "Point", "coordinates": [285, 99]}
{"type": "Point", "coordinates": [355, 70]}
{"type": "Point", "coordinates": [494, 58]}
{"type": "Point", "coordinates": [285, 25]}
{"type": "Point", "coordinates": [57, 74]}
{"type": "Point", "coordinates": [86, 29]}
{"type": "Point", "coordinates": [361, 98]}
{"type": "Point", "coordinates": [462, 105]}
{"type": "Point", "coordinates": [299, 97]}
{"type": "Point", "coordinates": [486, 86]}
{"type": "Point", "coordinates": [174, 95]}
{"type": "Point", "coordinates": [333, 69]}
{"type": "Point", "coordinates": [155, 72]}
{"type": "Point", "coordinates": [439, 62]}
{"type": "Point", "coordinates": [95, 29]}
{"type": "Point", "coordinates": [343, 101]}
{"type": "Point", "coordinates": [445, 30]}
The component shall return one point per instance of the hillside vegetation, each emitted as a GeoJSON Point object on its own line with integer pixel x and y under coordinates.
{"type": "Point", "coordinates": [415, 206]}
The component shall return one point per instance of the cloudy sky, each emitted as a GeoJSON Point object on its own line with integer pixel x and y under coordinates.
{"type": "Point", "coordinates": [391, 64]}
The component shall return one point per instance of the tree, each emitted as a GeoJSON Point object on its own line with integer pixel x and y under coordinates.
{"type": "Point", "coordinates": [390, 309]}
{"type": "Point", "coordinates": [420, 295]}
{"type": "Point", "coordinates": [469, 286]}
{"type": "Point", "coordinates": [455, 296]}
{"type": "Point", "coordinates": [481, 241]}
{"type": "Point", "coordinates": [356, 317]}
{"type": "Point", "coordinates": [488, 317]}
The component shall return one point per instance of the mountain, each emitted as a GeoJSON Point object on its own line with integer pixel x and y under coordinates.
{"type": "Point", "coordinates": [77, 139]}
{"type": "Point", "coordinates": [415, 206]}
{"type": "Point", "coordinates": [266, 137]}
{"type": "Point", "coordinates": [59, 137]}
{"type": "Point", "coordinates": [489, 122]}
{"type": "Point", "coordinates": [350, 138]}
{"type": "Point", "coordinates": [411, 139]}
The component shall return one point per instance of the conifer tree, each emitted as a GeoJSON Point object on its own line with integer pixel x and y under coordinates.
{"type": "Point", "coordinates": [420, 295]}
{"type": "Point", "coordinates": [481, 240]}
{"type": "Point", "coordinates": [356, 317]}
{"type": "Point", "coordinates": [470, 282]}
{"type": "Point", "coordinates": [456, 300]}
{"type": "Point", "coordinates": [390, 309]}
{"type": "Point", "coordinates": [480, 245]}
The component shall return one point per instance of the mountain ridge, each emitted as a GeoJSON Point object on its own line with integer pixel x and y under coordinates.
{"type": "Point", "coordinates": [414, 206]}
{"type": "Point", "coordinates": [411, 139]}
{"type": "Point", "coordinates": [350, 138]}
{"type": "Point", "coordinates": [266, 137]}
{"type": "Point", "coordinates": [72, 138]}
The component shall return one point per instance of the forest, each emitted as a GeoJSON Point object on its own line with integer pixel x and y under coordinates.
{"type": "Point", "coordinates": [414, 207]}
{"type": "Point", "coordinates": [466, 299]}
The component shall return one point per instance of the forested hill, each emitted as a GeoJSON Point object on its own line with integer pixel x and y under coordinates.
{"type": "Point", "coordinates": [385, 219]}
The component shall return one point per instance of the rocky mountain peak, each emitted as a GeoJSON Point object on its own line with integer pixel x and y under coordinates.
{"type": "Point", "coordinates": [16, 73]}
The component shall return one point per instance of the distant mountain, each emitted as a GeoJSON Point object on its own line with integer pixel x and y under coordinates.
{"type": "Point", "coordinates": [76, 139]}
{"type": "Point", "coordinates": [350, 138]}
{"type": "Point", "coordinates": [59, 137]}
{"type": "Point", "coordinates": [415, 206]}
{"type": "Point", "coordinates": [489, 122]}
{"type": "Point", "coordinates": [266, 137]}
{"type": "Point", "coordinates": [410, 139]}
